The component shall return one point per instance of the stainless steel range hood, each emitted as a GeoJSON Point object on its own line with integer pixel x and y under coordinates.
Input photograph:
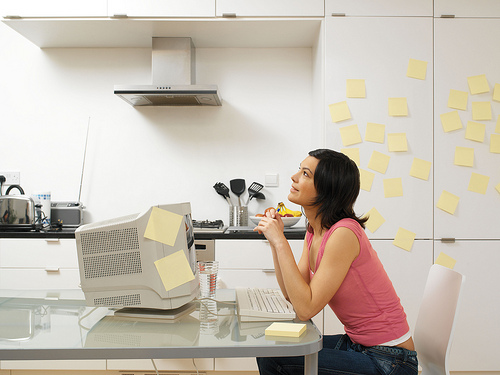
{"type": "Point", "coordinates": [173, 78]}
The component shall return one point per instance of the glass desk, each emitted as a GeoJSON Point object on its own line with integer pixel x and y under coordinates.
{"type": "Point", "coordinates": [57, 325]}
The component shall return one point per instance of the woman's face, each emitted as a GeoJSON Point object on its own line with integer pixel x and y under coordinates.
{"type": "Point", "coordinates": [303, 191]}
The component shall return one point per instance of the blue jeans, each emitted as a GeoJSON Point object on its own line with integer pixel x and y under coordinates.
{"type": "Point", "coordinates": [340, 356]}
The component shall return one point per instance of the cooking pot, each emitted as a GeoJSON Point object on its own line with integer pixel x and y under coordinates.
{"type": "Point", "coordinates": [17, 211]}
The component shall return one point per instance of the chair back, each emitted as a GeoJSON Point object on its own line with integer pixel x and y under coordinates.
{"type": "Point", "coordinates": [435, 322]}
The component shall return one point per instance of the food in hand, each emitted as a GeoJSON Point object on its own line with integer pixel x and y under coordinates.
{"type": "Point", "coordinates": [282, 211]}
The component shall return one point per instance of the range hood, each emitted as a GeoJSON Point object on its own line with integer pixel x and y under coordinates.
{"type": "Point", "coordinates": [173, 78]}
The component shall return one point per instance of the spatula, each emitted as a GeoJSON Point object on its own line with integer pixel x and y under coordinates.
{"type": "Point", "coordinates": [237, 187]}
{"type": "Point", "coordinates": [253, 189]}
{"type": "Point", "coordinates": [223, 190]}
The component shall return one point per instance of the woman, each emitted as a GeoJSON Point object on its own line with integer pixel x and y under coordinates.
{"type": "Point", "coordinates": [338, 267]}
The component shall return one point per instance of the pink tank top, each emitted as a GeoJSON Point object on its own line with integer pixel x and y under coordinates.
{"type": "Point", "coordinates": [366, 302]}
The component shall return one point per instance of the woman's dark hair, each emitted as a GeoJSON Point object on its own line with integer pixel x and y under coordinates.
{"type": "Point", "coordinates": [337, 184]}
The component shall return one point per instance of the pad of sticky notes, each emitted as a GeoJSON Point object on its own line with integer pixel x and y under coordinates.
{"type": "Point", "coordinates": [286, 329]}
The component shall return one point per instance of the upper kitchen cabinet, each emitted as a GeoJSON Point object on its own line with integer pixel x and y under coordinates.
{"type": "Point", "coordinates": [467, 128]}
{"type": "Point", "coordinates": [379, 8]}
{"type": "Point", "coordinates": [378, 110]}
{"type": "Point", "coordinates": [467, 8]}
{"type": "Point", "coordinates": [161, 8]}
{"type": "Point", "coordinates": [263, 8]}
{"type": "Point", "coordinates": [53, 8]}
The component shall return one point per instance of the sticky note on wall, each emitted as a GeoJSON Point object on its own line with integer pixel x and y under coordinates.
{"type": "Point", "coordinates": [481, 111]}
{"type": "Point", "coordinates": [396, 142]}
{"type": "Point", "coordinates": [379, 162]}
{"type": "Point", "coordinates": [478, 84]}
{"type": "Point", "coordinates": [375, 220]}
{"type": "Point", "coordinates": [420, 169]}
{"type": "Point", "coordinates": [393, 187]}
{"type": "Point", "coordinates": [339, 111]}
{"type": "Point", "coordinates": [445, 261]}
{"type": "Point", "coordinates": [416, 69]}
{"type": "Point", "coordinates": [451, 121]}
{"type": "Point", "coordinates": [475, 131]}
{"type": "Point", "coordinates": [352, 153]}
{"type": "Point", "coordinates": [404, 239]}
{"type": "Point", "coordinates": [375, 132]}
{"type": "Point", "coordinates": [355, 88]}
{"type": "Point", "coordinates": [163, 226]}
{"type": "Point", "coordinates": [478, 183]}
{"type": "Point", "coordinates": [366, 179]}
{"type": "Point", "coordinates": [350, 135]}
{"type": "Point", "coordinates": [458, 99]}
{"type": "Point", "coordinates": [495, 143]}
{"type": "Point", "coordinates": [398, 107]}
{"type": "Point", "coordinates": [496, 92]}
{"type": "Point", "coordinates": [448, 202]}
{"type": "Point", "coordinates": [464, 156]}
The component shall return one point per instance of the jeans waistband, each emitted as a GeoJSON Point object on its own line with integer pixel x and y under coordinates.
{"type": "Point", "coordinates": [393, 350]}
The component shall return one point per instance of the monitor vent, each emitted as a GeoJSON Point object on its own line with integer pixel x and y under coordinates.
{"type": "Point", "coordinates": [125, 300]}
{"type": "Point", "coordinates": [112, 265]}
{"type": "Point", "coordinates": [109, 241]}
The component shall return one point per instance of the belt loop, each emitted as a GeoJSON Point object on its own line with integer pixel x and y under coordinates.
{"type": "Point", "coordinates": [340, 342]}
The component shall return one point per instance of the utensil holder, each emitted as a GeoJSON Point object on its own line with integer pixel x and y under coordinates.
{"type": "Point", "coordinates": [238, 216]}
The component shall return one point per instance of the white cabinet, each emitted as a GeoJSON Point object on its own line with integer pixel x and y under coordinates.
{"type": "Point", "coordinates": [38, 264]}
{"type": "Point", "coordinates": [379, 8]}
{"type": "Point", "coordinates": [262, 8]}
{"type": "Point", "coordinates": [467, 8]}
{"type": "Point", "coordinates": [53, 8]}
{"type": "Point", "coordinates": [161, 8]}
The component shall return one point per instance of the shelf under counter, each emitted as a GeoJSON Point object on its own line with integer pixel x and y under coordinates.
{"type": "Point", "coordinates": [247, 233]}
{"type": "Point", "coordinates": [64, 233]}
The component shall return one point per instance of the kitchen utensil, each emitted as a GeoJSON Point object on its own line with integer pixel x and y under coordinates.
{"type": "Point", "coordinates": [237, 187]}
{"type": "Point", "coordinates": [17, 211]}
{"type": "Point", "coordinates": [259, 196]}
{"type": "Point", "coordinates": [253, 189]}
{"type": "Point", "coordinates": [223, 190]}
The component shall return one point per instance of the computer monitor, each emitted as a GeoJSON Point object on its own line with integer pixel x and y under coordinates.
{"type": "Point", "coordinates": [124, 262]}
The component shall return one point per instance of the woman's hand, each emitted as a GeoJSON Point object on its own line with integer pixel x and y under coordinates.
{"type": "Point", "coordinates": [271, 226]}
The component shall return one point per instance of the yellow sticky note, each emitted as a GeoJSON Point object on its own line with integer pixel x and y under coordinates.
{"type": "Point", "coordinates": [393, 187]}
{"type": "Point", "coordinates": [352, 153]}
{"type": "Point", "coordinates": [448, 202]}
{"type": "Point", "coordinates": [475, 131]}
{"type": "Point", "coordinates": [396, 142]}
{"type": "Point", "coordinates": [285, 329]}
{"type": "Point", "coordinates": [497, 128]}
{"type": "Point", "coordinates": [420, 169]}
{"type": "Point", "coordinates": [478, 84]}
{"type": "Point", "coordinates": [379, 162]}
{"type": "Point", "coordinates": [498, 187]}
{"type": "Point", "coordinates": [481, 111]}
{"type": "Point", "coordinates": [375, 220]}
{"type": "Point", "coordinates": [398, 107]}
{"type": "Point", "coordinates": [496, 92]}
{"type": "Point", "coordinates": [174, 270]}
{"type": "Point", "coordinates": [416, 69]}
{"type": "Point", "coordinates": [495, 143]}
{"type": "Point", "coordinates": [375, 132]}
{"type": "Point", "coordinates": [464, 156]}
{"type": "Point", "coordinates": [163, 226]}
{"type": "Point", "coordinates": [366, 179]}
{"type": "Point", "coordinates": [404, 239]}
{"type": "Point", "coordinates": [451, 121]}
{"type": "Point", "coordinates": [339, 111]}
{"type": "Point", "coordinates": [355, 88]}
{"type": "Point", "coordinates": [478, 183]}
{"type": "Point", "coordinates": [458, 99]}
{"type": "Point", "coordinates": [445, 261]}
{"type": "Point", "coordinates": [350, 135]}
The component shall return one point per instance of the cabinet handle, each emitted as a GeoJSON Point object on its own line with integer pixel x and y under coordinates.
{"type": "Point", "coordinates": [269, 270]}
{"type": "Point", "coordinates": [52, 240]}
{"type": "Point", "coordinates": [229, 15]}
{"type": "Point", "coordinates": [52, 269]}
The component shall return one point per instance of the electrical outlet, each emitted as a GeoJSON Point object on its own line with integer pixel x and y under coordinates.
{"type": "Point", "coordinates": [11, 178]}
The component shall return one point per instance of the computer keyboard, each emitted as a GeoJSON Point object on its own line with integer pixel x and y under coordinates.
{"type": "Point", "coordinates": [263, 305]}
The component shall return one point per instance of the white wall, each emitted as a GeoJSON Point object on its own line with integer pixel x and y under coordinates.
{"type": "Point", "coordinates": [137, 157]}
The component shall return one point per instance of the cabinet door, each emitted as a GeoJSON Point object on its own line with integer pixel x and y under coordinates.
{"type": "Point", "coordinates": [467, 8]}
{"type": "Point", "coordinates": [38, 253]}
{"type": "Point", "coordinates": [479, 305]}
{"type": "Point", "coordinates": [54, 8]}
{"type": "Point", "coordinates": [262, 8]}
{"type": "Point", "coordinates": [379, 8]}
{"type": "Point", "coordinates": [408, 273]}
{"type": "Point", "coordinates": [466, 167]}
{"type": "Point", "coordinates": [161, 8]}
{"type": "Point", "coordinates": [378, 50]}
{"type": "Point", "coordinates": [55, 365]}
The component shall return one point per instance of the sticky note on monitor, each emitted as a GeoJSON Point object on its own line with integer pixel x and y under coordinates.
{"type": "Point", "coordinates": [366, 179]}
{"type": "Point", "coordinates": [375, 220]}
{"type": "Point", "coordinates": [352, 153]}
{"type": "Point", "coordinates": [174, 270]}
{"type": "Point", "coordinates": [481, 111]}
{"type": "Point", "coordinates": [420, 169]}
{"type": "Point", "coordinates": [475, 131]}
{"type": "Point", "coordinates": [416, 69]}
{"type": "Point", "coordinates": [478, 183]}
{"type": "Point", "coordinates": [445, 260]}
{"type": "Point", "coordinates": [464, 156]}
{"type": "Point", "coordinates": [375, 132]}
{"type": "Point", "coordinates": [495, 143]}
{"type": "Point", "coordinates": [398, 107]}
{"type": "Point", "coordinates": [478, 84]}
{"type": "Point", "coordinates": [458, 99]}
{"type": "Point", "coordinates": [393, 187]}
{"type": "Point", "coordinates": [163, 226]}
{"type": "Point", "coordinates": [286, 329]}
{"type": "Point", "coordinates": [404, 239]}
{"type": "Point", "coordinates": [451, 121]}
{"type": "Point", "coordinates": [448, 202]}
{"type": "Point", "coordinates": [379, 162]}
{"type": "Point", "coordinates": [396, 142]}
{"type": "Point", "coordinates": [355, 88]}
{"type": "Point", "coordinates": [350, 135]}
{"type": "Point", "coordinates": [339, 111]}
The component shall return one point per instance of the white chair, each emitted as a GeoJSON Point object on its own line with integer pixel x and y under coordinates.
{"type": "Point", "coordinates": [435, 322]}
